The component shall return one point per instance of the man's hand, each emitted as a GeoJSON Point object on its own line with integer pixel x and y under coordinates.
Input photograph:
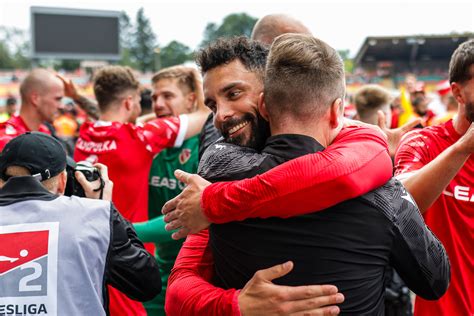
{"type": "Point", "coordinates": [261, 297]}
{"type": "Point", "coordinates": [394, 135]}
{"type": "Point", "coordinates": [184, 211]}
{"type": "Point", "coordinates": [70, 89]}
{"type": "Point", "coordinates": [466, 143]}
{"type": "Point", "coordinates": [90, 187]}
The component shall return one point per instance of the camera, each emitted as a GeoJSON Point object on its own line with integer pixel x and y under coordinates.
{"type": "Point", "coordinates": [73, 187]}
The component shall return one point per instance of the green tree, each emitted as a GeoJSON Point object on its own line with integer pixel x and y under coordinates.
{"type": "Point", "coordinates": [6, 60]}
{"type": "Point", "coordinates": [126, 41]}
{"type": "Point", "coordinates": [175, 53]}
{"type": "Point", "coordinates": [14, 48]}
{"type": "Point", "coordinates": [144, 43]}
{"type": "Point", "coordinates": [348, 62]}
{"type": "Point", "coordinates": [233, 25]}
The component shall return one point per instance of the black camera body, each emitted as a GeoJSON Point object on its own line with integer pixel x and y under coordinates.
{"type": "Point", "coordinates": [73, 187]}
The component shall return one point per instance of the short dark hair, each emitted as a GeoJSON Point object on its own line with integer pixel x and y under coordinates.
{"type": "Point", "coordinates": [461, 61]}
{"type": "Point", "coordinates": [252, 54]}
{"type": "Point", "coordinates": [112, 81]}
{"type": "Point", "coordinates": [302, 71]}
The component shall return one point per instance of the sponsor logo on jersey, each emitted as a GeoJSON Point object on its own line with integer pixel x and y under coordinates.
{"type": "Point", "coordinates": [28, 269]}
{"type": "Point", "coordinates": [96, 147]}
{"type": "Point", "coordinates": [165, 182]}
{"type": "Point", "coordinates": [184, 155]}
{"type": "Point", "coordinates": [461, 193]}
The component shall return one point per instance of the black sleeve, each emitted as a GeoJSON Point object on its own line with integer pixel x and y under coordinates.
{"type": "Point", "coordinates": [223, 162]}
{"type": "Point", "coordinates": [130, 268]}
{"type": "Point", "coordinates": [417, 255]}
{"type": "Point", "coordinates": [209, 135]}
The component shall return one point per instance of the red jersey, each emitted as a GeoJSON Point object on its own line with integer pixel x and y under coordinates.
{"type": "Point", "coordinates": [128, 150]}
{"type": "Point", "coordinates": [451, 217]}
{"type": "Point", "coordinates": [16, 126]}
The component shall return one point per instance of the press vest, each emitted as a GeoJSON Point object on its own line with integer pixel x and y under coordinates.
{"type": "Point", "coordinates": [53, 255]}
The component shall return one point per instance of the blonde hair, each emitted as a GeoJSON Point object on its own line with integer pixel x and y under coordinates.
{"type": "Point", "coordinates": [186, 77]}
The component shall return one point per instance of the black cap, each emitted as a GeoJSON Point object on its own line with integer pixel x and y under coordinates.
{"type": "Point", "coordinates": [41, 154]}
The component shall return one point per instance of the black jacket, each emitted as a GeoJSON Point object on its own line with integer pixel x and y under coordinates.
{"type": "Point", "coordinates": [350, 245]}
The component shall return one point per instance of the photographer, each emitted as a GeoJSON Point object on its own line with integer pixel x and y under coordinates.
{"type": "Point", "coordinates": [58, 253]}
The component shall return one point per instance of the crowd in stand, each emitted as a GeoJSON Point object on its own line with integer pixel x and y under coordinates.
{"type": "Point", "coordinates": [296, 197]}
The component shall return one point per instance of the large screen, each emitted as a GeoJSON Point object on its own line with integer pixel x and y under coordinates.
{"type": "Point", "coordinates": [75, 34]}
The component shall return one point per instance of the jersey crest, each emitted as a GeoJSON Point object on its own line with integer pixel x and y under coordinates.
{"type": "Point", "coordinates": [184, 155]}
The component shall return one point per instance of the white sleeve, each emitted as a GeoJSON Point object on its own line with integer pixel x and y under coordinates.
{"type": "Point", "coordinates": [183, 128]}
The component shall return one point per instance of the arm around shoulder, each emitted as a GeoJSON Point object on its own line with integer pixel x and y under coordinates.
{"type": "Point", "coordinates": [356, 163]}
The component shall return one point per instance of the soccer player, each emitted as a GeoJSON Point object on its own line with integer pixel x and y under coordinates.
{"type": "Point", "coordinates": [175, 91]}
{"type": "Point", "coordinates": [437, 166]}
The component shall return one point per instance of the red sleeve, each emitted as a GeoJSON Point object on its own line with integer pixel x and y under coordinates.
{"type": "Point", "coordinates": [356, 163]}
{"type": "Point", "coordinates": [411, 154]}
{"type": "Point", "coordinates": [159, 134]}
{"type": "Point", "coordinates": [189, 289]}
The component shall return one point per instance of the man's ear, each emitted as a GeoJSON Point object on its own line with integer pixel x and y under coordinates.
{"type": "Point", "coordinates": [262, 109]}
{"type": "Point", "coordinates": [128, 102]}
{"type": "Point", "coordinates": [336, 113]}
{"type": "Point", "coordinates": [191, 98]}
{"type": "Point", "coordinates": [62, 182]}
{"type": "Point", "coordinates": [457, 94]}
{"type": "Point", "coordinates": [34, 98]}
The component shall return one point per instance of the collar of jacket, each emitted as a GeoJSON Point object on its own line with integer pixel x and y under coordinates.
{"type": "Point", "coordinates": [24, 188]}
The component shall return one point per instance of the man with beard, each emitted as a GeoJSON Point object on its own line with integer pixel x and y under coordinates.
{"type": "Point", "coordinates": [437, 166]}
{"type": "Point", "coordinates": [264, 31]}
{"type": "Point", "coordinates": [228, 88]}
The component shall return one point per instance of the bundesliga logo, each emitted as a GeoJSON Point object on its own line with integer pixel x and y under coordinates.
{"type": "Point", "coordinates": [26, 255]}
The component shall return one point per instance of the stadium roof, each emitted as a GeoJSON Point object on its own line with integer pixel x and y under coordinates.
{"type": "Point", "coordinates": [409, 49]}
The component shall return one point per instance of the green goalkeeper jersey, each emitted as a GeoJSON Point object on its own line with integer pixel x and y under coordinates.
{"type": "Point", "coordinates": [164, 186]}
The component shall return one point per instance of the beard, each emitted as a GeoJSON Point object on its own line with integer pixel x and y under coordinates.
{"type": "Point", "coordinates": [259, 131]}
{"type": "Point", "coordinates": [470, 111]}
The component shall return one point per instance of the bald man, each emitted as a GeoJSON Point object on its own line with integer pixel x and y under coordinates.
{"type": "Point", "coordinates": [273, 25]}
{"type": "Point", "coordinates": [41, 94]}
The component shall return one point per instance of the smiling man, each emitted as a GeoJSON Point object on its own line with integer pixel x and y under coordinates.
{"type": "Point", "coordinates": [175, 91]}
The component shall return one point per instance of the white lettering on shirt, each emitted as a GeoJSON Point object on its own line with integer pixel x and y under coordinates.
{"type": "Point", "coordinates": [108, 145]}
